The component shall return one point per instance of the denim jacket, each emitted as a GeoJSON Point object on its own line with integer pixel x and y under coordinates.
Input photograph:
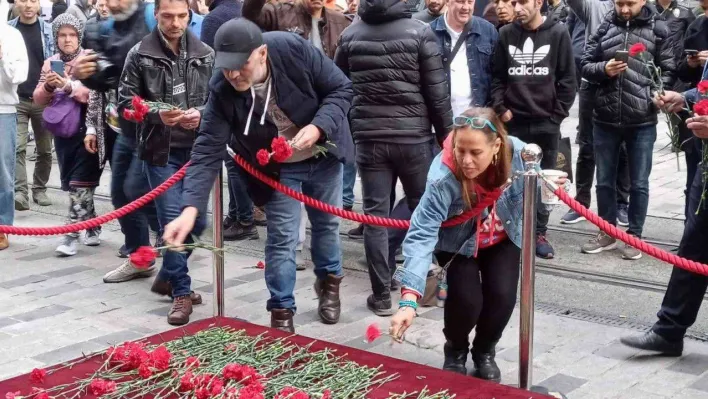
{"type": "Point", "coordinates": [692, 96]}
{"type": "Point", "coordinates": [481, 41]}
{"type": "Point", "coordinates": [442, 200]}
{"type": "Point", "coordinates": [47, 36]}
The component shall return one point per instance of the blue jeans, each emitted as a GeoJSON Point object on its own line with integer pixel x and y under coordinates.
{"type": "Point", "coordinates": [240, 204]}
{"type": "Point", "coordinates": [321, 179]}
{"type": "Point", "coordinates": [349, 182]}
{"type": "Point", "coordinates": [128, 182]}
{"type": "Point", "coordinates": [640, 144]}
{"type": "Point", "coordinates": [169, 207]}
{"type": "Point", "coordinates": [8, 138]}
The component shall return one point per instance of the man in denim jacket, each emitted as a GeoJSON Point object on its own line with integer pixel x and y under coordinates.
{"type": "Point", "coordinates": [685, 292]}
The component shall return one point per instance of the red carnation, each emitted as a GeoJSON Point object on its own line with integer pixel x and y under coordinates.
{"type": "Point", "coordinates": [39, 394]}
{"type": "Point", "coordinates": [186, 383]}
{"type": "Point", "coordinates": [260, 265]}
{"type": "Point", "coordinates": [263, 157]}
{"type": "Point", "coordinates": [281, 149]}
{"type": "Point", "coordinates": [636, 49]}
{"type": "Point", "coordinates": [702, 87]}
{"type": "Point", "coordinates": [192, 362]}
{"type": "Point", "coordinates": [252, 391]}
{"type": "Point", "coordinates": [129, 114]}
{"type": "Point", "coordinates": [144, 371]}
{"type": "Point", "coordinates": [37, 376]}
{"type": "Point", "coordinates": [140, 106]}
{"type": "Point", "coordinates": [160, 357]}
{"type": "Point", "coordinates": [372, 333]}
{"type": "Point", "coordinates": [240, 373]}
{"type": "Point", "coordinates": [143, 257]}
{"type": "Point", "coordinates": [202, 393]}
{"type": "Point", "coordinates": [100, 387]}
{"type": "Point", "coordinates": [12, 395]}
{"type": "Point", "coordinates": [291, 393]}
{"type": "Point", "coordinates": [701, 108]}
{"type": "Point", "coordinates": [327, 394]}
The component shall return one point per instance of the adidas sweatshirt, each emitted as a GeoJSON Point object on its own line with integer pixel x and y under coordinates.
{"type": "Point", "coordinates": [533, 72]}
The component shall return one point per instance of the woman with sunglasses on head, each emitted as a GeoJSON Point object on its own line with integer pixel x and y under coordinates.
{"type": "Point", "coordinates": [479, 257]}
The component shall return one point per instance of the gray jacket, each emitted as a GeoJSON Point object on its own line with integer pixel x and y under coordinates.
{"type": "Point", "coordinates": [591, 12]}
{"type": "Point", "coordinates": [81, 10]}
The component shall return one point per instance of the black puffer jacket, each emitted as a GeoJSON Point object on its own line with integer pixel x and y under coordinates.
{"type": "Point", "coordinates": [395, 65]}
{"type": "Point", "coordinates": [678, 18]}
{"type": "Point", "coordinates": [625, 100]}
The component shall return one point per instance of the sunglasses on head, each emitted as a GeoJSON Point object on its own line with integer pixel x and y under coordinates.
{"type": "Point", "coordinates": [474, 122]}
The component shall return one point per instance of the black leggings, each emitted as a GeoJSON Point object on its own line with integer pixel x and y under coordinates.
{"type": "Point", "coordinates": [482, 293]}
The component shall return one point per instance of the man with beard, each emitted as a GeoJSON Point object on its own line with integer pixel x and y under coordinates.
{"type": "Point", "coordinates": [433, 9]}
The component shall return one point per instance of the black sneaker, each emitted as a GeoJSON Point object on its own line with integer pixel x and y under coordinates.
{"type": "Point", "coordinates": [654, 342]}
{"type": "Point", "coordinates": [544, 249]}
{"type": "Point", "coordinates": [380, 307]}
{"type": "Point", "coordinates": [239, 232]}
{"type": "Point", "coordinates": [622, 216]}
{"type": "Point", "coordinates": [356, 233]}
{"type": "Point", "coordinates": [572, 217]}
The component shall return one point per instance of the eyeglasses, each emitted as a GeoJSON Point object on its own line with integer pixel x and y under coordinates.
{"type": "Point", "coordinates": [475, 122]}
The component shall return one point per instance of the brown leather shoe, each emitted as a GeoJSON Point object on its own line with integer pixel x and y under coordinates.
{"type": "Point", "coordinates": [181, 309]}
{"type": "Point", "coordinates": [164, 288]}
{"type": "Point", "coordinates": [327, 291]}
{"type": "Point", "coordinates": [282, 319]}
{"type": "Point", "coordinates": [4, 243]}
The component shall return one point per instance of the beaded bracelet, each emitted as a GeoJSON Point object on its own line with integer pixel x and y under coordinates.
{"type": "Point", "coordinates": [404, 303]}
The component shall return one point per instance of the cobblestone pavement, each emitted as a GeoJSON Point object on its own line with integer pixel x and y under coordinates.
{"type": "Point", "coordinates": [58, 308]}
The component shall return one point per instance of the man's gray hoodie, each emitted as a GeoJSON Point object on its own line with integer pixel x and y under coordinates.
{"type": "Point", "coordinates": [591, 12]}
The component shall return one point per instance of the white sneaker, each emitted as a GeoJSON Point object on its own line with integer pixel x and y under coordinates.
{"type": "Point", "coordinates": [67, 246]}
{"type": "Point", "coordinates": [92, 238]}
{"type": "Point", "coordinates": [126, 272]}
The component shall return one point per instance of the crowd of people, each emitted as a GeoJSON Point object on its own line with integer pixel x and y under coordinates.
{"type": "Point", "coordinates": [424, 93]}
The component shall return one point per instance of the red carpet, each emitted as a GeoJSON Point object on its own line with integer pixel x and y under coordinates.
{"type": "Point", "coordinates": [410, 374]}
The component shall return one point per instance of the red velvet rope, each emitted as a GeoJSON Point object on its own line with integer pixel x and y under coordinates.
{"type": "Point", "coordinates": [97, 221]}
{"type": "Point", "coordinates": [658, 253]}
{"type": "Point", "coordinates": [357, 217]}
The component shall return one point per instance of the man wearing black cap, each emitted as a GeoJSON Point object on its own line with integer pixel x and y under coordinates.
{"type": "Point", "coordinates": [272, 85]}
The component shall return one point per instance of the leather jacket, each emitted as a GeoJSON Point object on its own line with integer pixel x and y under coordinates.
{"type": "Point", "coordinates": [148, 73]}
{"type": "Point", "coordinates": [294, 17]}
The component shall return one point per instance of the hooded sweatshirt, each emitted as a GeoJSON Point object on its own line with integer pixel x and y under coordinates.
{"type": "Point", "coordinates": [81, 10]}
{"type": "Point", "coordinates": [533, 72]}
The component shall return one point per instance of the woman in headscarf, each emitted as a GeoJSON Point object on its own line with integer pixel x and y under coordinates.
{"type": "Point", "coordinates": [79, 169]}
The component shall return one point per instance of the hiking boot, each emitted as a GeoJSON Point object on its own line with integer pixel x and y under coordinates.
{"type": "Point", "coordinates": [485, 367]}
{"type": "Point", "coordinates": [282, 319]}
{"type": "Point", "coordinates": [92, 239]}
{"type": "Point", "coordinates": [572, 217]}
{"type": "Point", "coordinates": [68, 246]}
{"type": "Point", "coordinates": [4, 242]}
{"type": "Point", "coordinates": [180, 311]}
{"type": "Point", "coordinates": [239, 232]}
{"type": "Point", "coordinates": [327, 291]}
{"type": "Point", "coordinates": [630, 253]}
{"type": "Point", "coordinates": [41, 198]}
{"type": "Point", "coordinates": [601, 242]}
{"type": "Point", "coordinates": [356, 233]}
{"type": "Point", "coordinates": [127, 272]}
{"type": "Point", "coordinates": [228, 221]}
{"type": "Point", "coordinates": [544, 249]}
{"type": "Point", "coordinates": [622, 216]}
{"type": "Point", "coordinates": [259, 217]}
{"type": "Point", "coordinates": [654, 342]}
{"type": "Point", "coordinates": [380, 306]}
{"type": "Point", "coordinates": [455, 359]}
{"type": "Point", "coordinates": [21, 202]}
{"type": "Point", "coordinates": [164, 288]}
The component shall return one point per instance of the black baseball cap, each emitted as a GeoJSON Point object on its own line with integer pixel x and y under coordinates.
{"type": "Point", "coordinates": [234, 42]}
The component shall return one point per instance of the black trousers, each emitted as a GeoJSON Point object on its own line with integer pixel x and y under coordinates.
{"type": "Point", "coordinates": [691, 147]}
{"type": "Point", "coordinates": [481, 293]}
{"type": "Point", "coordinates": [379, 164]}
{"type": "Point", "coordinates": [585, 164]}
{"type": "Point", "coordinates": [545, 134]}
{"type": "Point", "coordinates": [684, 295]}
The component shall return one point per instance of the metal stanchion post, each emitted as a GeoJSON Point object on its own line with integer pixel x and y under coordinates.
{"type": "Point", "coordinates": [531, 154]}
{"type": "Point", "coordinates": [218, 257]}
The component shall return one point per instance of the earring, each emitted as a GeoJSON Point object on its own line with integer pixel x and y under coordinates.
{"type": "Point", "coordinates": [494, 159]}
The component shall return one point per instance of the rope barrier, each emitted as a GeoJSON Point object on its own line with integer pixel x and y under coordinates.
{"type": "Point", "coordinates": [613, 231]}
{"type": "Point", "coordinates": [97, 221]}
{"type": "Point", "coordinates": [349, 215]}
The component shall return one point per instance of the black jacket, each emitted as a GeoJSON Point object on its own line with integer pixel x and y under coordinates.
{"type": "Point", "coordinates": [308, 88]}
{"type": "Point", "coordinates": [696, 38]}
{"type": "Point", "coordinates": [220, 11]}
{"type": "Point", "coordinates": [626, 100]}
{"type": "Point", "coordinates": [149, 74]}
{"type": "Point", "coordinates": [678, 18]}
{"type": "Point", "coordinates": [533, 72]}
{"type": "Point", "coordinates": [395, 65]}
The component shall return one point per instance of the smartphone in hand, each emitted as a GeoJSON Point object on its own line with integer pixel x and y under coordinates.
{"type": "Point", "coordinates": [691, 53]}
{"type": "Point", "coordinates": [622, 56]}
{"type": "Point", "coordinates": [57, 66]}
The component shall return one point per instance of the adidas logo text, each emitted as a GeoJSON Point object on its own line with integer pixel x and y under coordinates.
{"type": "Point", "coordinates": [528, 57]}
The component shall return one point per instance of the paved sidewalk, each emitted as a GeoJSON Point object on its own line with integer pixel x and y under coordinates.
{"type": "Point", "coordinates": [55, 309]}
